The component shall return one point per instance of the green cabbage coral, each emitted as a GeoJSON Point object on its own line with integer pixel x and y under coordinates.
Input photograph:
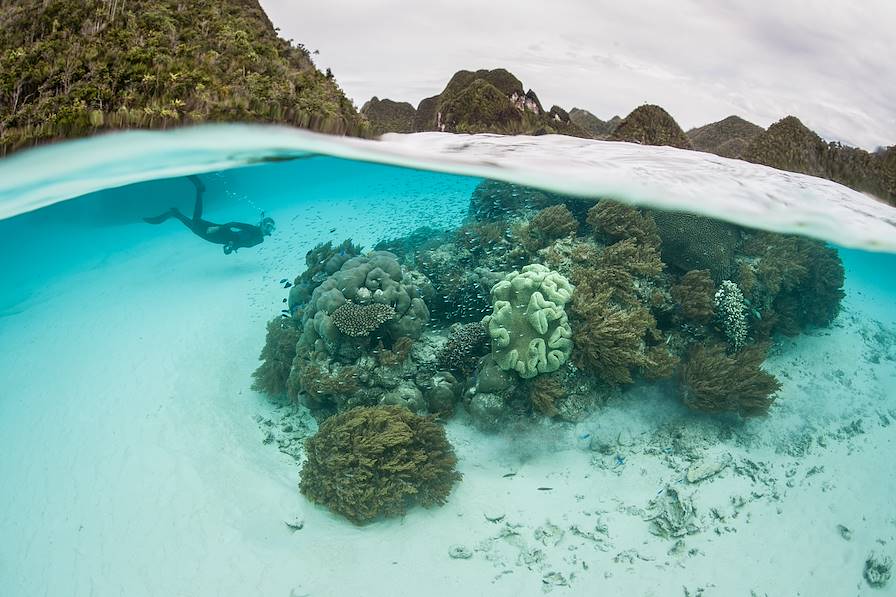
{"type": "Point", "coordinates": [376, 461]}
{"type": "Point", "coordinates": [528, 326]}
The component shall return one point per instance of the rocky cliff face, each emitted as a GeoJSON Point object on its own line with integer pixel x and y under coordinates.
{"type": "Point", "coordinates": [69, 68]}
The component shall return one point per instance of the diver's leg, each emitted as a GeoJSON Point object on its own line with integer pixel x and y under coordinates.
{"type": "Point", "coordinates": [171, 213]}
{"type": "Point", "coordinates": [200, 189]}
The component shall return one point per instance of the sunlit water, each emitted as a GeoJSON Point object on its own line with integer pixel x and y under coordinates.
{"type": "Point", "coordinates": [136, 460]}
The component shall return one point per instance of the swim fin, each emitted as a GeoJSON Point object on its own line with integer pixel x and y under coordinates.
{"type": "Point", "coordinates": [160, 218]}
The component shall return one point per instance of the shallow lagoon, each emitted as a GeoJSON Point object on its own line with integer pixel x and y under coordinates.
{"type": "Point", "coordinates": [137, 459]}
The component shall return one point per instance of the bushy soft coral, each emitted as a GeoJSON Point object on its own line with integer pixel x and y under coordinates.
{"type": "Point", "coordinates": [545, 391]}
{"type": "Point", "coordinates": [320, 385]}
{"type": "Point", "coordinates": [694, 294]}
{"type": "Point", "coordinates": [615, 221]}
{"type": "Point", "coordinates": [609, 339]}
{"type": "Point", "coordinates": [553, 222]}
{"type": "Point", "coordinates": [805, 278]}
{"type": "Point", "coordinates": [714, 381]}
{"type": "Point", "coordinates": [277, 355]}
{"type": "Point", "coordinates": [373, 462]}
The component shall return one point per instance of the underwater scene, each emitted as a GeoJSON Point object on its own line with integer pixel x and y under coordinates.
{"type": "Point", "coordinates": [241, 361]}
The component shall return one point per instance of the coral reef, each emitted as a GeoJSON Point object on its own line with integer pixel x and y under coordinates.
{"type": "Point", "coordinates": [639, 294]}
{"type": "Point", "coordinates": [731, 312]}
{"type": "Point", "coordinates": [323, 387]}
{"type": "Point", "coordinates": [373, 462]}
{"type": "Point", "coordinates": [695, 296]}
{"type": "Point", "coordinates": [528, 326]}
{"type": "Point", "coordinates": [279, 350]}
{"type": "Point", "coordinates": [713, 381]}
{"type": "Point", "coordinates": [465, 346]}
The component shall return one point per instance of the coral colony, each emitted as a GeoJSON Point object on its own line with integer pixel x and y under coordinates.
{"type": "Point", "coordinates": [539, 305]}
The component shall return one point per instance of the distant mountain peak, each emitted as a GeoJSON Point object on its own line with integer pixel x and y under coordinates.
{"type": "Point", "coordinates": [651, 125]}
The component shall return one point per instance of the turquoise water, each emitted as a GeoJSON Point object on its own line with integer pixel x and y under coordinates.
{"type": "Point", "coordinates": [137, 459]}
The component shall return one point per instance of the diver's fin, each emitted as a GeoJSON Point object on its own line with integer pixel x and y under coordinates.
{"type": "Point", "coordinates": [160, 218]}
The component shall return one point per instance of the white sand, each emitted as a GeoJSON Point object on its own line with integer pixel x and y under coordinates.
{"type": "Point", "coordinates": [132, 464]}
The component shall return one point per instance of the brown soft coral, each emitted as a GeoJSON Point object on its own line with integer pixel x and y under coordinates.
{"type": "Point", "coordinates": [694, 294]}
{"type": "Point", "coordinates": [545, 392]}
{"type": "Point", "coordinates": [616, 268]}
{"type": "Point", "coordinates": [554, 222]}
{"type": "Point", "coordinates": [320, 384]}
{"type": "Point", "coordinates": [616, 221]}
{"type": "Point", "coordinates": [277, 355]}
{"type": "Point", "coordinates": [608, 338]}
{"type": "Point", "coordinates": [371, 462]}
{"type": "Point", "coordinates": [801, 281]}
{"type": "Point", "coordinates": [714, 381]}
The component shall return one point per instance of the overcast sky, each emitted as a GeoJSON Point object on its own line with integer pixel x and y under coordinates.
{"type": "Point", "coordinates": [829, 62]}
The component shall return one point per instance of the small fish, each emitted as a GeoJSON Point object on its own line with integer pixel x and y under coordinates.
{"type": "Point", "coordinates": [285, 315]}
{"type": "Point", "coordinates": [287, 285]}
{"type": "Point", "coordinates": [283, 281]}
{"type": "Point", "coordinates": [284, 311]}
{"type": "Point", "coordinates": [509, 475]}
{"type": "Point", "coordinates": [545, 489]}
{"type": "Point", "coordinates": [284, 300]}
{"type": "Point", "coordinates": [332, 230]}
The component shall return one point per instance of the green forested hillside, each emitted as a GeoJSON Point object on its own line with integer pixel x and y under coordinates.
{"type": "Point", "coordinates": [71, 67]}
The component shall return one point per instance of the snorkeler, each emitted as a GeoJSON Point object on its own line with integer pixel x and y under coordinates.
{"type": "Point", "coordinates": [233, 235]}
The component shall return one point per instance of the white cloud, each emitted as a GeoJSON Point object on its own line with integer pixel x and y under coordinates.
{"type": "Point", "coordinates": [828, 62]}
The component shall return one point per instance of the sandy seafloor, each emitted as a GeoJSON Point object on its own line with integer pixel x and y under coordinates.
{"type": "Point", "coordinates": [135, 460]}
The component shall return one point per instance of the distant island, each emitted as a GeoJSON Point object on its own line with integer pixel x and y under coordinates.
{"type": "Point", "coordinates": [70, 68]}
{"type": "Point", "coordinates": [493, 101]}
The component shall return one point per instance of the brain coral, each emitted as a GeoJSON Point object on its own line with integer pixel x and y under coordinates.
{"type": "Point", "coordinates": [375, 278]}
{"type": "Point", "coordinates": [528, 326]}
{"type": "Point", "coordinates": [696, 242]}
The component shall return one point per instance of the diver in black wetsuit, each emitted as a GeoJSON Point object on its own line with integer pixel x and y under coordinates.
{"type": "Point", "coordinates": [233, 235]}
